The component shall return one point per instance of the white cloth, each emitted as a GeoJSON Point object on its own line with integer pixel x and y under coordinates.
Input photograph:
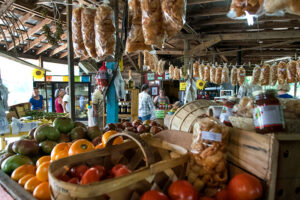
{"type": "Point", "coordinates": [67, 99]}
{"type": "Point", "coordinates": [146, 106]}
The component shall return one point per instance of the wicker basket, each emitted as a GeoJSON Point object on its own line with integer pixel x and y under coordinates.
{"type": "Point", "coordinates": [155, 164]}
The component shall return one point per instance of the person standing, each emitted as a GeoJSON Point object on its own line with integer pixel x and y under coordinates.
{"type": "Point", "coordinates": [98, 106]}
{"type": "Point", "coordinates": [59, 94]}
{"type": "Point", "coordinates": [66, 101]}
{"type": "Point", "coordinates": [161, 99]}
{"type": "Point", "coordinates": [146, 107]}
{"type": "Point", "coordinates": [36, 100]}
{"type": "Point", "coordinates": [283, 91]}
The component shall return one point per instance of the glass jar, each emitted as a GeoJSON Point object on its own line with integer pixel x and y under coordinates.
{"type": "Point", "coordinates": [128, 108]}
{"type": "Point", "coordinates": [267, 112]}
{"type": "Point", "coordinates": [123, 108]}
{"type": "Point", "coordinates": [227, 111]}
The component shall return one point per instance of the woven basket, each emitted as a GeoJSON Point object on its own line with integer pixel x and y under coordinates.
{"type": "Point", "coordinates": [154, 164]}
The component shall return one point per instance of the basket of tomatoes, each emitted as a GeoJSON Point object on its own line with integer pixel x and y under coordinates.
{"type": "Point", "coordinates": [118, 172]}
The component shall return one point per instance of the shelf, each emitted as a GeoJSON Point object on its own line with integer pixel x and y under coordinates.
{"type": "Point", "coordinates": [122, 115]}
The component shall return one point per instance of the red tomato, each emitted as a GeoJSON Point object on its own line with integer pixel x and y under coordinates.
{"type": "Point", "coordinates": [222, 195]}
{"type": "Point", "coordinates": [154, 195]}
{"type": "Point", "coordinates": [120, 170]}
{"type": "Point", "coordinates": [90, 176]}
{"type": "Point", "coordinates": [74, 180]}
{"type": "Point", "coordinates": [64, 177]}
{"type": "Point", "coordinates": [206, 198]}
{"type": "Point", "coordinates": [182, 190]}
{"type": "Point", "coordinates": [78, 171]}
{"type": "Point", "coordinates": [101, 170]}
{"type": "Point", "coordinates": [244, 187]}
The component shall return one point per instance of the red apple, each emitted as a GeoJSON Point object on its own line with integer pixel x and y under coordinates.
{"type": "Point", "coordinates": [120, 170]}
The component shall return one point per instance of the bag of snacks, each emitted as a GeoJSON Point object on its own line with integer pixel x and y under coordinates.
{"type": "Point", "coordinates": [213, 74]}
{"type": "Point", "coordinates": [274, 76]}
{"type": "Point", "coordinates": [233, 76]}
{"type": "Point", "coordinates": [241, 75]}
{"type": "Point", "coordinates": [238, 8]}
{"type": "Point", "coordinates": [152, 22]}
{"type": "Point", "coordinates": [135, 40]}
{"type": "Point", "coordinates": [290, 6]}
{"type": "Point", "coordinates": [256, 75]}
{"type": "Point", "coordinates": [206, 73]}
{"type": "Point", "coordinates": [298, 69]}
{"type": "Point", "coordinates": [173, 14]}
{"type": "Point", "coordinates": [195, 69]}
{"type": "Point", "coordinates": [78, 44]}
{"type": "Point", "coordinates": [88, 30]}
{"type": "Point", "coordinates": [281, 72]}
{"type": "Point", "coordinates": [183, 72]}
{"type": "Point", "coordinates": [147, 57]}
{"type": "Point", "coordinates": [201, 71]}
{"type": "Point", "coordinates": [218, 78]}
{"type": "Point", "coordinates": [265, 75]}
{"type": "Point", "coordinates": [160, 67]}
{"type": "Point", "coordinates": [291, 72]}
{"type": "Point", "coordinates": [171, 72]}
{"type": "Point", "coordinates": [225, 74]}
{"type": "Point", "coordinates": [207, 168]}
{"type": "Point", "coordinates": [105, 31]}
{"type": "Point", "coordinates": [176, 73]}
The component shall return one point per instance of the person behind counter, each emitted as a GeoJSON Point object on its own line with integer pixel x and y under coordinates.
{"type": "Point", "coordinates": [98, 106]}
{"type": "Point", "coordinates": [59, 94]}
{"type": "Point", "coordinates": [66, 101]}
{"type": "Point", "coordinates": [146, 107]}
{"type": "Point", "coordinates": [283, 91]}
{"type": "Point", "coordinates": [161, 99]}
{"type": "Point", "coordinates": [36, 100]}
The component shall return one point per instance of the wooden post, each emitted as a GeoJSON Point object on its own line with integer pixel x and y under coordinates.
{"type": "Point", "coordinates": [187, 55]}
{"type": "Point", "coordinates": [295, 86]}
{"type": "Point", "coordinates": [41, 63]}
{"type": "Point", "coordinates": [71, 60]}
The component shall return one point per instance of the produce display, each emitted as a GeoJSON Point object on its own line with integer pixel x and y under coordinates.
{"type": "Point", "coordinates": [38, 115]}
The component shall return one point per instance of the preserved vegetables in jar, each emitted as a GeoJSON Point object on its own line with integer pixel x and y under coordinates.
{"type": "Point", "coordinates": [227, 111]}
{"type": "Point", "coordinates": [267, 112]}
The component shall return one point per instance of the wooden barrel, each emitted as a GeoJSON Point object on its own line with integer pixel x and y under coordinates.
{"type": "Point", "coordinates": [184, 118]}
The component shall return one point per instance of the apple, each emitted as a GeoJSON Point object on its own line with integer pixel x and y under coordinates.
{"type": "Point", "coordinates": [147, 122]}
{"type": "Point", "coordinates": [153, 123]}
{"type": "Point", "coordinates": [127, 124]}
{"type": "Point", "coordinates": [130, 129]}
{"type": "Point", "coordinates": [78, 171]}
{"type": "Point", "coordinates": [101, 170]}
{"type": "Point", "coordinates": [155, 129]}
{"type": "Point", "coordinates": [120, 170]}
{"type": "Point", "coordinates": [141, 129]}
{"type": "Point", "coordinates": [96, 140]}
{"type": "Point", "coordinates": [119, 125]}
{"type": "Point", "coordinates": [147, 128]}
{"type": "Point", "coordinates": [136, 123]}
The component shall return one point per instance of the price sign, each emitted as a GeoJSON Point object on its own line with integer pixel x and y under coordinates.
{"type": "Point", "coordinates": [159, 78]}
{"type": "Point", "coordinates": [151, 76]}
{"type": "Point", "coordinates": [167, 76]}
{"type": "Point", "coordinates": [182, 86]}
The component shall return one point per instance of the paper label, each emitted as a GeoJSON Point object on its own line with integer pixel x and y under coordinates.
{"type": "Point", "coordinates": [206, 135]}
{"type": "Point", "coordinates": [265, 116]}
{"type": "Point", "coordinates": [225, 114]}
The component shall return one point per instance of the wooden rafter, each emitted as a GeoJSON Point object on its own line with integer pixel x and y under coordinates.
{"type": "Point", "coordinates": [58, 49]}
{"type": "Point", "coordinates": [213, 11]}
{"type": "Point", "coordinates": [169, 52]}
{"type": "Point", "coordinates": [195, 2]}
{"type": "Point", "coordinates": [63, 54]}
{"type": "Point", "coordinates": [198, 49]}
{"type": "Point", "coordinates": [48, 46]}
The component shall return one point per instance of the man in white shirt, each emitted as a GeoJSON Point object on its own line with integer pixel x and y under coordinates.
{"type": "Point", "coordinates": [146, 107]}
{"type": "Point", "coordinates": [98, 106]}
{"type": "Point", "coordinates": [66, 100]}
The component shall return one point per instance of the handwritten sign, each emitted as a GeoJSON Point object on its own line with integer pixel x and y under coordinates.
{"type": "Point", "coordinates": [182, 86]}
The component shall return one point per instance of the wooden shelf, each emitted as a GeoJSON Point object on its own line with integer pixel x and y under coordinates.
{"type": "Point", "coordinates": [122, 115]}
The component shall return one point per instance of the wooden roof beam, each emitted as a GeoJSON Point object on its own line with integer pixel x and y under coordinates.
{"type": "Point", "coordinates": [207, 12]}
{"type": "Point", "coordinates": [198, 49]}
{"type": "Point", "coordinates": [64, 54]}
{"type": "Point", "coordinates": [169, 52]}
{"type": "Point", "coordinates": [48, 46]}
{"type": "Point", "coordinates": [196, 2]}
{"type": "Point", "coordinates": [58, 49]}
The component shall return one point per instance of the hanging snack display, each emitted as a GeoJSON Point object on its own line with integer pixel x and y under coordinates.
{"type": "Point", "coordinates": [274, 75]}
{"type": "Point", "coordinates": [183, 72]}
{"type": "Point", "coordinates": [201, 71]}
{"type": "Point", "coordinates": [160, 67]}
{"type": "Point", "coordinates": [173, 15]}
{"type": "Point", "coordinates": [225, 75]}
{"type": "Point", "coordinates": [265, 75]}
{"type": "Point", "coordinates": [281, 72]}
{"type": "Point", "coordinates": [241, 75]}
{"type": "Point", "coordinates": [105, 31]}
{"type": "Point", "coordinates": [291, 72]}
{"type": "Point", "coordinates": [290, 6]}
{"type": "Point", "coordinates": [171, 72]}
{"type": "Point", "coordinates": [240, 7]}
{"type": "Point", "coordinates": [207, 169]}
{"type": "Point", "coordinates": [195, 69]}
{"type": "Point", "coordinates": [176, 73]}
{"type": "Point", "coordinates": [88, 30]}
{"type": "Point", "coordinates": [147, 58]}
{"type": "Point", "coordinates": [212, 74]}
{"type": "Point", "coordinates": [298, 69]}
{"type": "Point", "coordinates": [233, 76]}
{"type": "Point", "coordinates": [256, 75]}
{"type": "Point", "coordinates": [218, 77]}
{"type": "Point", "coordinates": [78, 44]}
{"type": "Point", "coordinates": [152, 22]}
{"type": "Point", "coordinates": [135, 40]}
{"type": "Point", "coordinates": [206, 73]}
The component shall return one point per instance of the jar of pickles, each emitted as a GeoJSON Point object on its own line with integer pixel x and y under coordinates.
{"type": "Point", "coordinates": [267, 112]}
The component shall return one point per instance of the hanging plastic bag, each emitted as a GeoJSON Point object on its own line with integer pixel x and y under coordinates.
{"type": "Point", "coordinates": [239, 9]}
{"type": "Point", "coordinates": [212, 74]}
{"type": "Point", "coordinates": [207, 167]}
{"type": "Point", "coordinates": [171, 72]}
{"type": "Point", "coordinates": [183, 73]}
{"type": "Point", "coordinates": [298, 69]}
{"type": "Point", "coordinates": [265, 75]}
{"type": "Point", "coordinates": [201, 71]}
{"type": "Point", "coordinates": [290, 6]}
{"type": "Point", "coordinates": [105, 31]}
{"type": "Point", "coordinates": [218, 77]}
{"type": "Point", "coordinates": [274, 75]}
{"type": "Point", "coordinates": [291, 72]}
{"type": "Point", "coordinates": [176, 73]}
{"type": "Point", "coordinates": [281, 72]}
{"type": "Point", "coordinates": [225, 74]}
{"type": "Point", "coordinates": [152, 22]}
{"type": "Point", "coordinates": [195, 69]}
{"type": "Point", "coordinates": [233, 76]}
{"type": "Point", "coordinates": [101, 76]}
{"type": "Point", "coordinates": [78, 44]}
{"type": "Point", "coordinates": [119, 85]}
{"type": "Point", "coordinates": [88, 30]}
{"type": "Point", "coordinates": [190, 91]}
{"type": "Point", "coordinates": [135, 40]}
{"type": "Point", "coordinates": [173, 14]}
{"type": "Point", "coordinates": [241, 75]}
{"type": "Point", "coordinates": [206, 73]}
{"type": "Point", "coordinates": [160, 68]}
{"type": "Point", "coordinates": [256, 75]}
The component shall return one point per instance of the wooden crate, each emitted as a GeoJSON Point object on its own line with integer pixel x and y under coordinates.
{"type": "Point", "coordinates": [274, 158]}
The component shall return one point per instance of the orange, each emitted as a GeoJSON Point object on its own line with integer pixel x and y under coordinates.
{"type": "Point", "coordinates": [108, 134]}
{"type": "Point", "coordinates": [24, 179]}
{"type": "Point", "coordinates": [43, 159]}
{"type": "Point", "coordinates": [61, 150]}
{"type": "Point", "coordinates": [42, 191]}
{"type": "Point", "coordinates": [22, 171]}
{"type": "Point", "coordinates": [42, 171]}
{"type": "Point", "coordinates": [32, 183]}
{"type": "Point", "coordinates": [81, 146]}
{"type": "Point", "coordinates": [99, 146]}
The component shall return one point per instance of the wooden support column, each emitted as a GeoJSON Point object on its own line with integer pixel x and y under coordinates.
{"type": "Point", "coordinates": [70, 60]}
{"type": "Point", "coordinates": [239, 57]}
{"type": "Point", "coordinates": [187, 55]}
{"type": "Point", "coordinates": [41, 63]}
{"type": "Point", "coordinates": [295, 86]}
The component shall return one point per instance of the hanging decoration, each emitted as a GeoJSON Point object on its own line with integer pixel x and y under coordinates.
{"type": "Point", "coordinates": [38, 74]}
